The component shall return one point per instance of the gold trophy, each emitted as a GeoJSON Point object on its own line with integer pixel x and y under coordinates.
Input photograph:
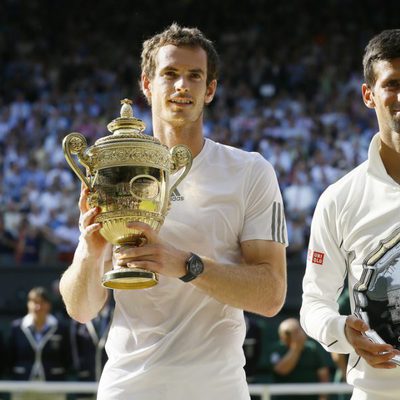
{"type": "Point", "coordinates": [127, 174]}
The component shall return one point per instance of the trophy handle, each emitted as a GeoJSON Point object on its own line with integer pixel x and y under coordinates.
{"type": "Point", "coordinates": [181, 157]}
{"type": "Point", "coordinates": [75, 143]}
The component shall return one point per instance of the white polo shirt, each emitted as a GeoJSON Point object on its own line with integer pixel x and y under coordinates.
{"type": "Point", "coordinates": [172, 341]}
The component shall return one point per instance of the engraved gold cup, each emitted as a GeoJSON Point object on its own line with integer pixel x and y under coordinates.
{"type": "Point", "coordinates": [127, 174]}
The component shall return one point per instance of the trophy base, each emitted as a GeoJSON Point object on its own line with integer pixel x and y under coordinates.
{"type": "Point", "coordinates": [129, 278]}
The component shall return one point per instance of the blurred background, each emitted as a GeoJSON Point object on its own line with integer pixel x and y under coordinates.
{"type": "Point", "coordinates": [289, 89]}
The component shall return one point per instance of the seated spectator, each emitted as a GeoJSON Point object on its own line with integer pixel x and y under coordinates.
{"type": "Point", "coordinates": [7, 245]}
{"type": "Point", "coordinates": [294, 358]}
{"type": "Point", "coordinates": [65, 237]}
{"type": "Point", "coordinates": [28, 245]}
{"type": "Point", "coordinates": [39, 346]}
{"type": "Point", "coordinates": [300, 196]}
{"type": "Point", "coordinates": [298, 228]}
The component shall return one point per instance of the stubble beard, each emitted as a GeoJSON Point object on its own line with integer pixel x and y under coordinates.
{"type": "Point", "coordinates": [395, 123]}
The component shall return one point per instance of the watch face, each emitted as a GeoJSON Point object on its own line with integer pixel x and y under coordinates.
{"type": "Point", "coordinates": [196, 265]}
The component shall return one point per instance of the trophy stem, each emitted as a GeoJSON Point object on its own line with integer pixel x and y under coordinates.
{"type": "Point", "coordinates": [130, 277]}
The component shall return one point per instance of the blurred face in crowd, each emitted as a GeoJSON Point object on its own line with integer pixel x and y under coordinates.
{"type": "Point", "coordinates": [179, 90]}
{"type": "Point", "coordinates": [37, 306]}
{"type": "Point", "coordinates": [290, 330]}
{"type": "Point", "coordinates": [384, 96]}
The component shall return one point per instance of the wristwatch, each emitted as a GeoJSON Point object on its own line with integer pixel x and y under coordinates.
{"type": "Point", "coordinates": [194, 267]}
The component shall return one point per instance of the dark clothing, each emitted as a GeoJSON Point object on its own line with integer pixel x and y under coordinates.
{"type": "Point", "coordinates": [252, 347]}
{"type": "Point", "coordinates": [88, 352]}
{"type": "Point", "coordinates": [310, 361]}
{"type": "Point", "coordinates": [3, 359]}
{"type": "Point", "coordinates": [45, 356]}
{"type": "Point", "coordinates": [87, 342]}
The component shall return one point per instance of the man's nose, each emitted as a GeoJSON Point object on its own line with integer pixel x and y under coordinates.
{"type": "Point", "coordinates": [181, 85]}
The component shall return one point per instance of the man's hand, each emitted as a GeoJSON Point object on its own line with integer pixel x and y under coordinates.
{"type": "Point", "coordinates": [297, 339]}
{"type": "Point", "coordinates": [154, 255]}
{"type": "Point", "coordinates": [95, 243]}
{"type": "Point", "coordinates": [376, 355]}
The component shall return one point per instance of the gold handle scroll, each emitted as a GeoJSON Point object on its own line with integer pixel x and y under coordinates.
{"type": "Point", "coordinates": [181, 157]}
{"type": "Point", "coordinates": [75, 143]}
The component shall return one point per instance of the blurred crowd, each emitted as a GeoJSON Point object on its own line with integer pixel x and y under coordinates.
{"type": "Point", "coordinates": [289, 91]}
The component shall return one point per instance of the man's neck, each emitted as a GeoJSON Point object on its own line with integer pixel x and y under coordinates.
{"type": "Point", "coordinates": [39, 324]}
{"type": "Point", "coordinates": [191, 136]}
{"type": "Point", "coordinates": [390, 155]}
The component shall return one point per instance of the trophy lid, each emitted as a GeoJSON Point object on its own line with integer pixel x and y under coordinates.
{"type": "Point", "coordinates": [126, 127]}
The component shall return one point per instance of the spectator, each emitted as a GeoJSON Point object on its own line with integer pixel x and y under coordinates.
{"type": "Point", "coordinates": [300, 197]}
{"type": "Point", "coordinates": [28, 245]}
{"type": "Point", "coordinates": [297, 359]}
{"type": "Point", "coordinates": [7, 245]}
{"type": "Point", "coordinates": [39, 347]}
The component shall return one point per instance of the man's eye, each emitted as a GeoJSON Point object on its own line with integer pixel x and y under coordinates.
{"type": "Point", "coordinates": [170, 74]}
{"type": "Point", "coordinates": [393, 84]}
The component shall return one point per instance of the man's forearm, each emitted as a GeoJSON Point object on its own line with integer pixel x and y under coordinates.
{"type": "Point", "coordinates": [256, 288]}
{"type": "Point", "coordinates": [288, 362]}
{"type": "Point", "coordinates": [80, 286]}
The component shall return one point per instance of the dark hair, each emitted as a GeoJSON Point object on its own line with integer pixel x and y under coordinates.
{"type": "Point", "coordinates": [384, 46]}
{"type": "Point", "coordinates": [41, 292]}
{"type": "Point", "coordinates": [179, 36]}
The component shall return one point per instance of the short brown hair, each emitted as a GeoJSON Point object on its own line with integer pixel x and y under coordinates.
{"type": "Point", "coordinates": [384, 46]}
{"type": "Point", "coordinates": [179, 36]}
{"type": "Point", "coordinates": [41, 292]}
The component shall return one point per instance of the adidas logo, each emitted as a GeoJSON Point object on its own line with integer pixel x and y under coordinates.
{"type": "Point", "coordinates": [176, 196]}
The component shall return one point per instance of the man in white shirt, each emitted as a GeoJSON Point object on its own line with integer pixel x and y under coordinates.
{"type": "Point", "coordinates": [182, 339]}
{"type": "Point", "coordinates": [356, 233]}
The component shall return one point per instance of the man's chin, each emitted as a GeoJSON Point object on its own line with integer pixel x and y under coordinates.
{"type": "Point", "coordinates": [177, 119]}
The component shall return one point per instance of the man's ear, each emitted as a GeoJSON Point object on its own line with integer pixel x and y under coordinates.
{"type": "Point", "coordinates": [368, 96]}
{"type": "Point", "coordinates": [146, 87]}
{"type": "Point", "coordinates": [210, 91]}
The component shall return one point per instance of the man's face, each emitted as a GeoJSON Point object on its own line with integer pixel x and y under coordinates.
{"type": "Point", "coordinates": [384, 96]}
{"type": "Point", "coordinates": [179, 91]}
{"type": "Point", "coordinates": [37, 306]}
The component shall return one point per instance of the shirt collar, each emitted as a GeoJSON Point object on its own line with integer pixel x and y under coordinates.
{"type": "Point", "coordinates": [27, 321]}
{"type": "Point", "coordinates": [375, 163]}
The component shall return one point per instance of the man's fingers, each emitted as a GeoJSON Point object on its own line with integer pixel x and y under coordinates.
{"type": "Point", "coordinates": [363, 342]}
{"type": "Point", "coordinates": [89, 230]}
{"type": "Point", "coordinates": [87, 218]}
{"type": "Point", "coordinates": [83, 206]}
{"type": "Point", "coordinates": [126, 253]}
{"type": "Point", "coordinates": [378, 360]}
{"type": "Point", "coordinates": [146, 229]}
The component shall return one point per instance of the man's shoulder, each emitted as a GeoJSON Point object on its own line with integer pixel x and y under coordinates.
{"type": "Point", "coordinates": [235, 155]}
{"type": "Point", "coordinates": [348, 185]}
